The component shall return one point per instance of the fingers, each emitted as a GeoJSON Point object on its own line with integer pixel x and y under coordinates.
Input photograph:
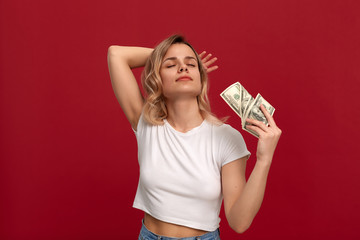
{"type": "Point", "coordinates": [260, 128]}
{"type": "Point", "coordinates": [269, 118]}
{"type": "Point", "coordinates": [265, 132]}
{"type": "Point", "coordinates": [255, 129]}
{"type": "Point", "coordinates": [208, 63]}
{"type": "Point", "coordinates": [201, 55]}
{"type": "Point", "coordinates": [209, 70]}
{"type": "Point", "coordinates": [205, 59]}
{"type": "Point", "coordinates": [257, 125]}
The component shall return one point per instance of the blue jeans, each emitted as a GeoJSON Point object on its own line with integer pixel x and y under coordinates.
{"type": "Point", "coordinates": [145, 234]}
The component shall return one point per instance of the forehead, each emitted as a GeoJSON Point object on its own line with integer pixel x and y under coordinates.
{"type": "Point", "coordinates": [179, 50]}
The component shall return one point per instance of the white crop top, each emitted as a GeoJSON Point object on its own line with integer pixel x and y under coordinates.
{"type": "Point", "coordinates": [180, 180]}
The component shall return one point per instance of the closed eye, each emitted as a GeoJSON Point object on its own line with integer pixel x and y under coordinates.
{"type": "Point", "coordinates": [170, 66]}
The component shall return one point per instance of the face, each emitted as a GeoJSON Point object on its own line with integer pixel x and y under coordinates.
{"type": "Point", "coordinates": [179, 72]}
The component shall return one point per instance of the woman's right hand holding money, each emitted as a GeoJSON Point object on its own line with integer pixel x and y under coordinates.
{"type": "Point", "coordinates": [268, 137]}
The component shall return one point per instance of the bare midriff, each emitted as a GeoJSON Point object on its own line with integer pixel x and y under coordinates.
{"type": "Point", "coordinates": [168, 229]}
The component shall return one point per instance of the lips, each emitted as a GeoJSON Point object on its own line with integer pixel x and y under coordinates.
{"type": "Point", "coordinates": [184, 78]}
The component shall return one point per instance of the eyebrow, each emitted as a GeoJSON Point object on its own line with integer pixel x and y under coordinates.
{"type": "Point", "coordinates": [174, 58]}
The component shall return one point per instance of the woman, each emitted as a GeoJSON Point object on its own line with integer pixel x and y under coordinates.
{"type": "Point", "coordinates": [189, 160]}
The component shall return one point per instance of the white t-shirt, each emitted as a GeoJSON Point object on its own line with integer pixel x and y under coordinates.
{"type": "Point", "coordinates": [180, 179]}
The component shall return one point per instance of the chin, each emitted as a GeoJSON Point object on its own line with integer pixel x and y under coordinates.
{"type": "Point", "coordinates": [182, 93]}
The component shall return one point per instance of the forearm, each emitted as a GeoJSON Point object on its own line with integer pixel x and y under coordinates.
{"type": "Point", "coordinates": [248, 204]}
{"type": "Point", "coordinates": [133, 56]}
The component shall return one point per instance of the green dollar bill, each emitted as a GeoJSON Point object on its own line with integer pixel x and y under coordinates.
{"type": "Point", "coordinates": [254, 112]}
{"type": "Point", "coordinates": [245, 106]}
{"type": "Point", "coordinates": [232, 97]}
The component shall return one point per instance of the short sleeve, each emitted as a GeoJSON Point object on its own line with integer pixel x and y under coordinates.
{"type": "Point", "coordinates": [232, 145]}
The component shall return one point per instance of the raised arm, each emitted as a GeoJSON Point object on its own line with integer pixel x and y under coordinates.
{"type": "Point", "coordinates": [120, 61]}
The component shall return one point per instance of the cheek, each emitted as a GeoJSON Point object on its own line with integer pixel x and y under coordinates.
{"type": "Point", "coordinates": [198, 77]}
{"type": "Point", "coordinates": [165, 78]}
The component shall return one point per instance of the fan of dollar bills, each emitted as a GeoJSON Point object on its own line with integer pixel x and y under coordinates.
{"type": "Point", "coordinates": [246, 106]}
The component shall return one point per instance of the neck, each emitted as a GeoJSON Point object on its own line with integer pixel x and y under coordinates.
{"type": "Point", "coordinates": [184, 114]}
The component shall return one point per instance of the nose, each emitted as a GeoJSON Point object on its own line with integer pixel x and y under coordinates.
{"type": "Point", "coordinates": [183, 68]}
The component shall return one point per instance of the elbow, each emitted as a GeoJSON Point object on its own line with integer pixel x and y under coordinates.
{"type": "Point", "coordinates": [118, 54]}
{"type": "Point", "coordinates": [241, 228]}
{"type": "Point", "coordinates": [111, 50]}
{"type": "Point", "coordinates": [115, 50]}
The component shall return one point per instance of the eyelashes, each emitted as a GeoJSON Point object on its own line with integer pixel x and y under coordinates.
{"type": "Point", "coordinates": [191, 65]}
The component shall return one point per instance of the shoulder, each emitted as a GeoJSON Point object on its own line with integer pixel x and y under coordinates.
{"type": "Point", "coordinates": [229, 144]}
{"type": "Point", "coordinates": [225, 134]}
{"type": "Point", "coordinates": [225, 130]}
{"type": "Point", "coordinates": [143, 125]}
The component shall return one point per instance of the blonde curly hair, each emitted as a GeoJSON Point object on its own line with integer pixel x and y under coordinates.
{"type": "Point", "coordinates": [155, 110]}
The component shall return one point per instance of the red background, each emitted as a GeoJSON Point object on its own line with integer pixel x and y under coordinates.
{"type": "Point", "coordinates": [68, 166]}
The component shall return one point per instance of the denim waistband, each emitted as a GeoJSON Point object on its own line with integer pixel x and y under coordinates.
{"type": "Point", "coordinates": [145, 234]}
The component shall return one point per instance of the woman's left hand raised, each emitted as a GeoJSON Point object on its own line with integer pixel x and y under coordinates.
{"type": "Point", "coordinates": [268, 136]}
{"type": "Point", "coordinates": [208, 61]}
